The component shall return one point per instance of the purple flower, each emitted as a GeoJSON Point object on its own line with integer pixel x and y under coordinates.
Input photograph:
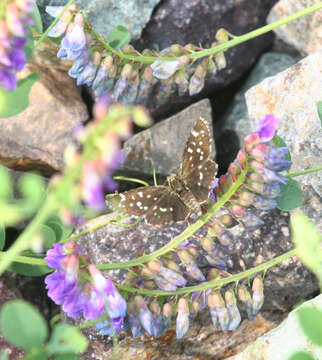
{"type": "Point", "coordinates": [116, 303]}
{"type": "Point", "coordinates": [18, 59]}
{"type": "Point", "coordinates": [267, 128]}
{"type": "Point", "coordinates": [135, 326]}
{"type": "Point", "coordinates": [92, 186]}
{"type": "Point", "coordinates": [8, 80]}
{"type": "Point", "coordinates": [110, 327]}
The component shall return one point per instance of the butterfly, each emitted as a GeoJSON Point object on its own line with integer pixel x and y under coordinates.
{"type": "Point", "coordinates": [183, 193]}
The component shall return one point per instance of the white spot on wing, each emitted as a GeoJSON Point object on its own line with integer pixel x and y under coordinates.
{"type": "Point", "coordinates": [194, 133]}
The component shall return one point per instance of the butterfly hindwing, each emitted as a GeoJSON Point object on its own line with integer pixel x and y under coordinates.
{"type": "Point", "coordinates": [169, 208]}
{"type": "Point", "coordinates": [200, 180]}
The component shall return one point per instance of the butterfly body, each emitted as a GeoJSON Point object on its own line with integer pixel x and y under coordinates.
{"type": "Point", "coordinates": [183, 193]}
{"type": "Point", "coordinates": [178, 185]}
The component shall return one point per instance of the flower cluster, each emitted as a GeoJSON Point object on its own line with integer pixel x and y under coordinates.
{"type": "Point", "coordinates": [81, 288]}
{"type": "Point", "coordinates": [146, 315]}
{"type": "Point", "coordinates": [94, 157]}
{"type": "Point", "coordinates": [262, 186]}
{"type": "Point", "coordinates": [13, 30]}
{"type": "Point", "coordinates": [131, 80]}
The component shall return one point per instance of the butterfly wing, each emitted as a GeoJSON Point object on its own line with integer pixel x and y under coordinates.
{"type": "Point", "coordinates": [169, 208]}
{"type": "Point", "coordinates": [200, 179]}
{"type": "Point", "coordinates": [157, 204]}
{"type": "Point", "coordinates": [197, 149]}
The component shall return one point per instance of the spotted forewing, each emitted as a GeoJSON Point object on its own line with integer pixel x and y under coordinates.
{"type": "Point", "coordinates": [160, 205]}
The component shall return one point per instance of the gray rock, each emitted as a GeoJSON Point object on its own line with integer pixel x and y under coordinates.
{"type": "Point", "coordinates": [284, 286]}
{"type": "Point", "coordinates": [236, 118]}
{"type": "Point", "coordinates": [35, 138]}
{"type": "Point", "coordinates": [106, 14]}
{"type": "Point", "coordinates": [284, 341]}
{"type": "Point", "coordinates": [196, 22]}
{"type": "Point", "coordinates": [292, 96]}
{"type": "Point", "coordinates": [161, 146]}
{"type": "Point", "coordinates": [305, 34]}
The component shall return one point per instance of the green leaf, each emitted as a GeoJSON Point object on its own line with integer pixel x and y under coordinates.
{"type": "Point", "coordinates": [6, 183]}
{"type": "Point", "coordinates": [119, 37]}
{"type": "Point", "coordinates": [66, 339]}
{"type": "Point", "coordinates": [301, 355]}
{"type": "Point", "coordinates": [4, 355]}
{"type": "Point", "coordinates": [311, 322]}
{"type": "Point", "coordinates": [32, 187]}
{"type": "Point", "coordinates": [308, 243]}
{"type": "Point", "coordinates": [291, 196]}
{"type": "Point", "coordinates": [35, 15]}
{"type": "Point", "coordinates": [48, 235]}
{"type": "Point", "coordinates": [28, 269]}
{"type": "Point", "coordinates": [14, 102]}
{"type": "Point", "coordinates": [22, 325]}
{"type": "Point", "coordinates": [66, 357]}
{"type": "Point", "coordinates": [2, 236]}
{"type": "Point", "coordinates": [36, 354]}
{"type": "Point", "coordinates": [279, 142]}
{"type": "Point", "coordinates": [61, 230]}
{"type": "Point", "coordinates": [29, 46]}
{"type": "Point", "coordinates": [320, 111]}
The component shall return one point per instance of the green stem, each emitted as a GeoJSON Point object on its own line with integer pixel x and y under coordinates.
{"type": "Point", "coordinates": [25, 259]}
{"type": "Point", "coordinates": [3, 6]}
{"type": "Point", "coordinates": [213, 50]}
{"type": "Point", "coordinates": [44, 35]}
{"type": "Point", "coordinates": [23, 241]}
{"type": "Point", "coordinates": [189, 231]}
{"type": "Point", "coordinates": [304, 172]}
{"type": "Point", "coordinates": [215, 283]}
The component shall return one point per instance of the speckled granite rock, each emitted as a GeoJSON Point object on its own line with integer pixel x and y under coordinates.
{"type": "Point", "coordinates": [105, 15]}
{"type": "Point", "coordinates": [284, 341]}
{"type": "Point", "coordinates": [161, 146]}
{"type": "Point", "coordinates": [285, 285]}
{"type": "Point", "coordinates": [35, 138]}
{"type": "Point", "coordinates": [292, 96]}
{"type": "Point", "coordinates": [236, 118]}
{"type": "Point", "coordinates": [197, 21]}
{"type": "Point", "coordinates": [305, 34]}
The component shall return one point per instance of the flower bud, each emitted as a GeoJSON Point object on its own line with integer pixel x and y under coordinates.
{"type": "Point", "coordinates": [216, 302]}
{"type": "Point", "coordinates": [163, 69]}
{"type": "Point", "coordinates": [145, 315]}
{"type": "Point", "coordinates": [220, 60]}
{"type": "Point", "coordinates": [197, 81]}
{"type": "Point", "coordinates": [130, 94]}
{"type": "Point", "coordinates": [208, 245]}
{"type": "Point", "coordinates": [173, 266]}
{"type": "Point", "coordinates": [233, 311]}
{"type": "Point", "coordinates": [181, 79]}
{"type": "Point", "coordinates": [191, 266]}
{"type": "Point", "coordinates": [244, 297]}
{"type": "Point", "coordinates": [182, 322]}
{"type": "Point", "coordinates": [251, 220]}
{"type": "Point", "coordinates": [134, 323]}
{"type": "Point", "coordinates": [122, 83]}
{"type": "Point", "coordinates": [145, 85]}
{"type": "Point", "coordinates": [258, 294]}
